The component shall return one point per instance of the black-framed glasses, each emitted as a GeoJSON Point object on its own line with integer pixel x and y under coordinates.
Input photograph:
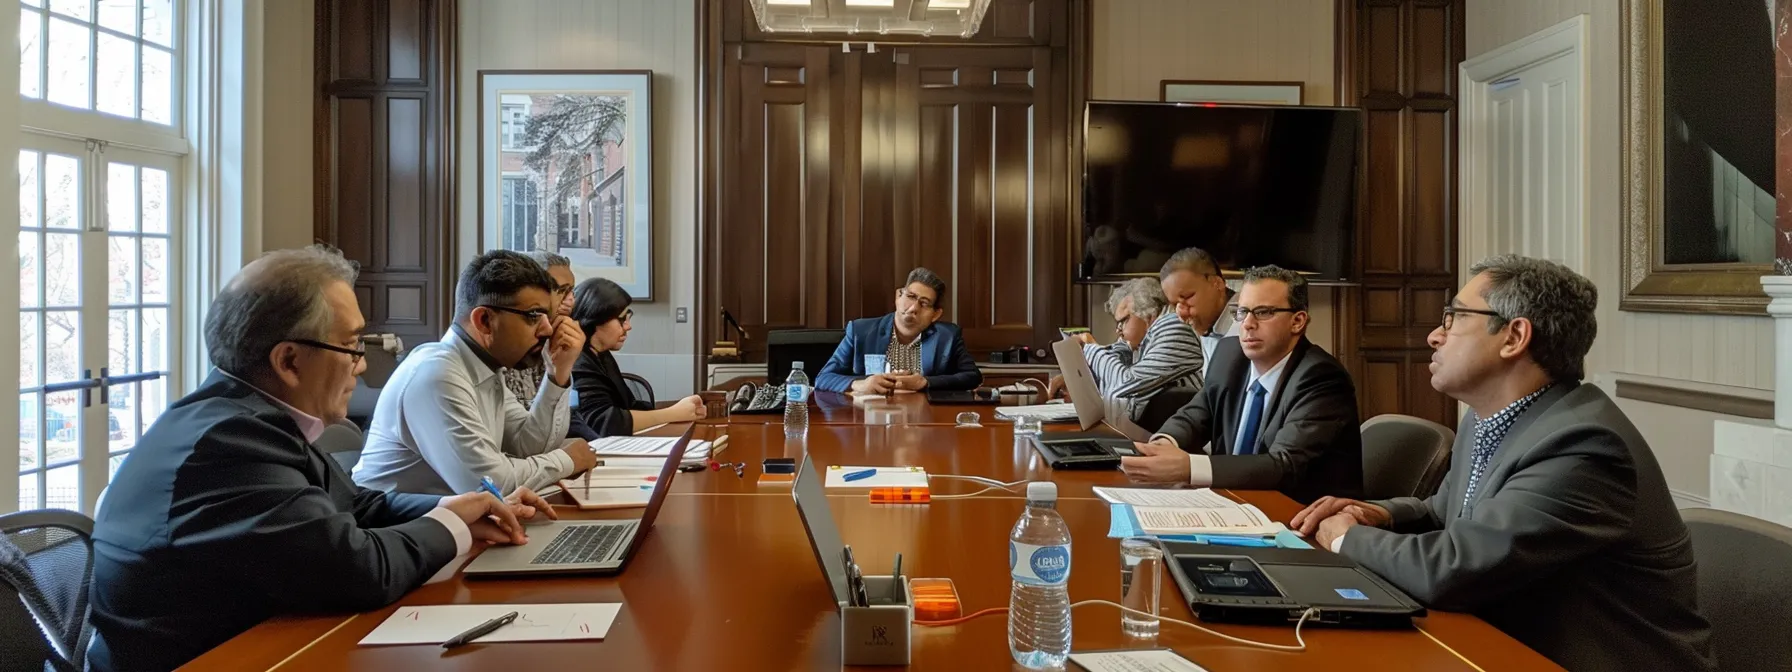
{"type": "Point", "coordinates": [562, 290]}
{"type": "Point", "coordinates": [534, 316]}
{"type": "Point", "coordinates": [626, 316]}
{"type": "Point", "coordinates": [1261, 312]}
{"type": "Point", "coordinates": [353, 355]}
{"type": "Point", "coordinates": [926, 303]}
{"type": "Point", "coordinates": [1450, 313]}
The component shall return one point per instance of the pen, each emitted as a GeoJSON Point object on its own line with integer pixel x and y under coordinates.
{"type": "Point", "coordinates": [896, 581]}
{"type": "Point", "coordinates": [860, 475]}
{"type": "Point", "coordinates": [480, 630]}
{"type": "Point", "coordinates": [486, 482]}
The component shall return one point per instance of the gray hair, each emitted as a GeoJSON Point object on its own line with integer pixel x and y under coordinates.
{"type": "Point", "coordinates": [549, 259]}
{"type": "Point", "coordinates": [1192, 259]}
{"type": "Point", "coordinates": [1559, 303]}
{"type": "Point", "coordinates": [931, 279]}
{"type": "Point", "coordinates": [1147, 296]}
{"type": "Point", "coordinates": [278, 297]}
{"type": "Point", "coordinates": [1297, 283]}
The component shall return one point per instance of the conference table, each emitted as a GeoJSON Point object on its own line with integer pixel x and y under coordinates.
{"type": "Point", "coordinates": [727, 579]}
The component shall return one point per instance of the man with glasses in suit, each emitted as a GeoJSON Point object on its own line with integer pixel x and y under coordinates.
{"type": "Point", "coordinates": [446, 419]}
{"type": "Point", "coordinates": [1277, 412]}
{"type": "Point", "coordinates": [906, 351]}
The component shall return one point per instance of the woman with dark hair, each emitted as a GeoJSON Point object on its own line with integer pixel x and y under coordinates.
{"type": "Point", "coordinates": [605, 403]}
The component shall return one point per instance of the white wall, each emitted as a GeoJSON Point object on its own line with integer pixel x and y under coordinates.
{"type": "Point", "coordinates": [607, 35]}
{"type": "Point", "coordinates": [1732, 351]}
{"type": "Point", "coordinates": [288, 94]}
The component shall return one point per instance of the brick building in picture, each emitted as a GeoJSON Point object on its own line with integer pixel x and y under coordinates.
{"type": "Point", "coordinates": [577, 206]}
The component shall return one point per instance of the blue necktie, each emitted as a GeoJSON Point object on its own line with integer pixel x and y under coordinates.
{"type": "Point", "coordinates": [1253, 416]}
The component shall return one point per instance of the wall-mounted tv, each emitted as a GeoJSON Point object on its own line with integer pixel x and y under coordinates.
{"type": "Point", "coordinates": [1252, 185]}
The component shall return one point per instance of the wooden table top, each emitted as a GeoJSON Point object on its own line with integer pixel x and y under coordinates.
{"type": "Point", "coordinates": [727, 580]}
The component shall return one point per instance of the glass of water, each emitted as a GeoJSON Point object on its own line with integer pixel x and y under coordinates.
{"type": "Point", "coordinates": [1026, 426]}
{"type": "Point", "coordinates": [1141, 580]}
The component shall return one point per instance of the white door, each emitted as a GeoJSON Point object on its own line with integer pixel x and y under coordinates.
{"type": "Point", "coordinates": [1524, 149]}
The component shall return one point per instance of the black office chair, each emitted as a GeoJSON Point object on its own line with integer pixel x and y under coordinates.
{"type": "Point", "coordinates": [1744, 588]}
{"type": "Point", "coordinates": [342, 441]}
{"type": "Point", "coordinates": [1404, 456]}
{"type": "Point", "coordinates": [46, 569]}
{"type": "Point", "coordinates": [639, 387]}
{"type": "Point", "coordinates": [1162, 406]}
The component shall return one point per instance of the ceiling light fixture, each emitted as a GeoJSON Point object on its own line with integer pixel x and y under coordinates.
{"type": "Point", "coordinates": [943, 18]}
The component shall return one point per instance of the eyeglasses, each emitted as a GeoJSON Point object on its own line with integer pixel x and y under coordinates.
{"type": "Point", "coordinates": [353, 355]}
{"type": "Point", "coordinates": [626, 316]}
{"type": "Point", "coordinates": [926, 303]}
{"type": "Point", "coordinates": [1450, 313]}
{"type": "Point", "coordinates": [533, 316]}
{"type": "Point", "coordinates": [1261, 312]}
{"type": "Point", "coordinates": [562, 290]}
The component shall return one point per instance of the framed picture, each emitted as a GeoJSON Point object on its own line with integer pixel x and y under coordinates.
{"type": "Point", "coordinates": [566, 166]}
{"type": "Point", "coordinates": [1217, 91]}
{"type": "Point", "coordinates": [1698, 156]}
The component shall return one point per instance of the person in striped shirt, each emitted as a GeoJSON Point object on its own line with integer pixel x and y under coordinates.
{"type": "Point", "coordinates": [1156, 349]}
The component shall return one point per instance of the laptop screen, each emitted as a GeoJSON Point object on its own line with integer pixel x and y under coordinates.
{"type": "Point", "coordinates": [818, 522]}
{"type": "Point", "coordinates": [660, 488]}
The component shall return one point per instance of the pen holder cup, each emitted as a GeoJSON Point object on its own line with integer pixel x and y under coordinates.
{"type": "Point", "coordinates": [878, 634]}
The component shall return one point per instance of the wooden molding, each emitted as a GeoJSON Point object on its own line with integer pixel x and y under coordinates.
{"type": "Point", "coordinates": [1699, 400]}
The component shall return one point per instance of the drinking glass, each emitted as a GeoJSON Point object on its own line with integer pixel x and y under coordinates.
{"type": "Point", "coordinates": [1026, 426]}
{"type": "Point", "coordinates": [1141, 581]}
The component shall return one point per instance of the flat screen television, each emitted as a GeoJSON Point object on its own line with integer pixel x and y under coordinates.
{"type": "Point", "coordinates": [1252, 185]}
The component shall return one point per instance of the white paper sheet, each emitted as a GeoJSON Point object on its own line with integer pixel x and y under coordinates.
{"type": "Point", "coordinates": [1042, 411]}
{"type": "Point", "coordinates": [1190, 511]}
{"type": "Point", "coordinates": [534, 623]}
{"type": "Point", "coordinates": [886, 477]}
{"type": "Point", "coordinates": [1158, 660]}
{"type": "Point", "coordinates": [645, 446]}
{"type": "Point", "coordinates": [1196, 498]}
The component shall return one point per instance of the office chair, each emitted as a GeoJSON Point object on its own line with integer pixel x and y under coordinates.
{"type": "Point", "coordinates": [1744, 588]}
{"type": "Point", "coordinates": [342, 441]}
{"type": "Point", "coordinates": [1404, 456]}
{"type": "Point", "coordinates": [46, 569]}
{"type": "Point", "coordinates": [637, 386]}
{"type": "Point", "coordinates": [1158, 410]}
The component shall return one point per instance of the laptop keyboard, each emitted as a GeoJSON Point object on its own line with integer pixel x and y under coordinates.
{"type": "Point", "coordinates": [582, 544]}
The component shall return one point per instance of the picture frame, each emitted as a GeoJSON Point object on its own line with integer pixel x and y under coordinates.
{"type": "Point", "coordinates": [1651, 281]}
{"type": "Point", "coordinates": [1231, 92]}
{"type": "Point", "coordinates": [566, 166]}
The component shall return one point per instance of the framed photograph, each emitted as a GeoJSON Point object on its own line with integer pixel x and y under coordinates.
{"type": "Point", "coordinates": [1218, 91]}
{"type": "Point", "coordinates": [1698, 156]}
{"type": "Point", "coordinates": [566, 166]}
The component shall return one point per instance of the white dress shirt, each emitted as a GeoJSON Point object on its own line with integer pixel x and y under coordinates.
{"type": "Point", "coordinates": [1200, 467]}
{"type": "Point", "coordinates": [445, 419]}
{"type": "Point", "coordinates": [312, 427]}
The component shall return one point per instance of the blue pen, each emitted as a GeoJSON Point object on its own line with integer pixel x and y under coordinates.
{"type": "Point", "coordinates": [860, 475]}
{"type": "Point", "coordinates": [486, 482]}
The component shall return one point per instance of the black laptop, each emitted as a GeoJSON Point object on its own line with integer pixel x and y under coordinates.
{"type": "Point", "coordinates": [1241, 584]}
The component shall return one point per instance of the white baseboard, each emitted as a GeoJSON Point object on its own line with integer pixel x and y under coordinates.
{"type": "Point", "coordinates": [1687, 500]}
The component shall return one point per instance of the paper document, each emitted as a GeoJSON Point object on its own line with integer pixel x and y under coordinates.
{"type": "Point", "coordinates": [1196, 511]}
{"type": "Point", "coordinates": [1042, 411]}
{"type": "Point", "coordinates": [534, 623]}
{"type": "Point", "coordinates": [1196, 498]}
{"type": "Point", "coordinates": [886, 477]}
{"type": "Point", "coordinates": [645, 446]}
{"type": "Point", "coordinates": [1157, 660]}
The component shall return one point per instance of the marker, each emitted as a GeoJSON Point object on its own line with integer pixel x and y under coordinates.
{"type": "Point", "coordinates": [860, 475]}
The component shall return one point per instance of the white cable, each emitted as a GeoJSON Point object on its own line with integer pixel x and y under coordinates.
{"type": "Point", "coordinates": [992, 483]}
{"type": "Point", "coordinates": [1301, 646]}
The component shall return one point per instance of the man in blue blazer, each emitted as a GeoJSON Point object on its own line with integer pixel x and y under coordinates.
{"type": "Point", "coordinates": [909, 349]}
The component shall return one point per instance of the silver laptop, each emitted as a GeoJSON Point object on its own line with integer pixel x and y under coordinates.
{"type": "Point", "coordinates": [1086, 449]}
{"type": "Point", "coordinates": [1091, 407]}
{"type": "Point", "coordinates": [818, 522]}
{"type": "Point", "coordinates": [599, 547]}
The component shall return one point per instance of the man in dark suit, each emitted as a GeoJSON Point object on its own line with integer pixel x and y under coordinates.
{"type": "Point", "coordinates": [1554, 524]}
{"type": "Point", "coordinates": [908, 350]}
{"type": "Point", "coordinates": [225, 514]}
{"type": "Point", "coordinates": [1277, 412]}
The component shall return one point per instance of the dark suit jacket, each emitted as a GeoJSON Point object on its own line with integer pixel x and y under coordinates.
{"type": "Point", "coordinates": [1572, 544]}
{"type": "Point", "coordinates": [604, 399]}
{"type": "Point", "coordinates": [944, 359]}
{"type": "Point", "coordinates": [224, 516]}
{"type": "Point", "coordinates": [1310, 443]}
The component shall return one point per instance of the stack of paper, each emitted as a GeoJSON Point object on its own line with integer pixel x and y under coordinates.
{"type": "Point", "coordinates": [1044, 412]}
{"type": "Point", "coordinates": [647, 446]}
{"type": "Point", "coordinates": [1189, 511]}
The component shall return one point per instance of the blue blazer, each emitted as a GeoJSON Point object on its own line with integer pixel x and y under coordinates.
{"type": "Point", "coordinates": [944, 359]}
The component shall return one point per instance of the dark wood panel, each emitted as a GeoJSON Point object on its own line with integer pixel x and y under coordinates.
{"type": "Point", "coordinates": [1382, 35]}
{"type": "Point", "coordinates": [1433, 245]}
{"type": "Point", "coordinates": [354, 170]}
{"type": "Point", "coordinates": [1381, 306]}
{"type": "Point", "coordinates": [405, 168]}
{"type": "Point", "coordinates": [351, 51]}
{"type": "Point", "coordinates": [1380, 385]}
{"type": "Point", "coordinates": [1383, 164]}
{"type": "Point", "coordinates": [404, 51]}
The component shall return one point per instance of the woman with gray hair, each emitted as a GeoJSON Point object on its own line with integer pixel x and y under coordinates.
{"type": "Point", "coordinates": [1156, 349]}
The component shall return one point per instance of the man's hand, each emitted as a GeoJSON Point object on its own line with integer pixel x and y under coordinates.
{"type": "Point", "coordinates": [1308, 520]}
{"type": "Point", "coordinates": [1084, 338]}
{"type": "Point", "coordinates": [583, 458]}
{"type": "Point", "coordinates": [489, 518]}
{"type": "Point", "coordinates": [881, 383]}
{"type": "Point", "coordinates": [913, 382]}
{"type": "Point", "coordinates": [1056, 386]}
{"type": "Point", "coordinates": [1334, 527]}
{"type": "Point", "coordinates": [563, 350]}
{"type": "Point", "coordinates": [689, 408]}
{"type": "Point", "coordinates": [1160, 463]}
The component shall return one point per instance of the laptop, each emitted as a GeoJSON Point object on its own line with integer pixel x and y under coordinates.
{"type": "Point", "coordinates": [818, 523]}
{"type": "Point", "coordinates": [1276, 585]}
{"type": "Point", "coordinates": [1086, 449]}
{"type": "Point", "coordinates": [598, 547]}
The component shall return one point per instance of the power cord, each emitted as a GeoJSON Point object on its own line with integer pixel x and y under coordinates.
{"type": "Point", "coordinates": [1300, 645]}
{"type": "Point", "coordinates": [992, 483]}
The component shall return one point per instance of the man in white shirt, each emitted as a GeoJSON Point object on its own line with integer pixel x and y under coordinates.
{"type": "Point", "coordinates": [445, 418]}
{"type": "Point", "coordinates": [1192, 283]}
{"type": "Point", "coordinates": [1277, 413]}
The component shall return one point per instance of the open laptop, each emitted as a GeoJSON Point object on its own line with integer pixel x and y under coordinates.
{"type": "Point", "coordinates": [1277, 585]}
{"type": "Point", "coordinates": [818, 522]}
{"type": "Point", "coordinates": [1086, 449]}
{"type": "Point", "coordinates": [600, 547]}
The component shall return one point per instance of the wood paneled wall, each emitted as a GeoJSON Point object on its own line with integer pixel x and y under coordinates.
{"type": "Point", "coordinates": [385, 77]}
{"type": "Point", "coordinates": [835, 172]}
{"type": "Point", "coordinates": [1399, 63]}
{"type": "Point", "coordinates": [1136, 44]}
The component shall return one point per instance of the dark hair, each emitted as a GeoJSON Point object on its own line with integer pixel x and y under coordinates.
{"type": "Point", "coordinates": [595, 302]}
{"type": "Point", "coordinates": [1559, 303]}
{"type": "Point", "coordinates": [929, 278]}
{"type": "Point", "coordinates": [1192, 259]}
{"type": "Point", "coordinates": [275, 298]}
{"type": "Point", "coordinates": [1297, 283]}
{"type": "Point", "coordinates": [495, 278]}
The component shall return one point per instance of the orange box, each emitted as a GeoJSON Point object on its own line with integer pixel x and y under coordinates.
{"type": "Point", "coordinates": [935, 599]}
{"type": "Point", "coordinates": [900, 496]}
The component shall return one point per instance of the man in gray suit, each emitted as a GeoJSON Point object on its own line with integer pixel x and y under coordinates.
{"type": "Point", "coordinates": [1555, 523]}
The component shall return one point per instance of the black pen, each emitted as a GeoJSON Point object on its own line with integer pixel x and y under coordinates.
{"type": "Point", "coordinates": [480, 630]}
{"type": "Point", "coordinates": [896, 581]}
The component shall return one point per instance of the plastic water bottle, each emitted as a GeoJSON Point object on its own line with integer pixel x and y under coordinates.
{"type": "Point", "coordinates": [1039, 563]}
{"type": "Point", "coordinates": [796, 403]}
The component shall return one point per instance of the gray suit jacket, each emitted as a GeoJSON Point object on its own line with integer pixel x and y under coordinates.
{"type": "Point", "coordinates": [1309, 444]}
{"type": "Point", "coordinates": [1571, 545]}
